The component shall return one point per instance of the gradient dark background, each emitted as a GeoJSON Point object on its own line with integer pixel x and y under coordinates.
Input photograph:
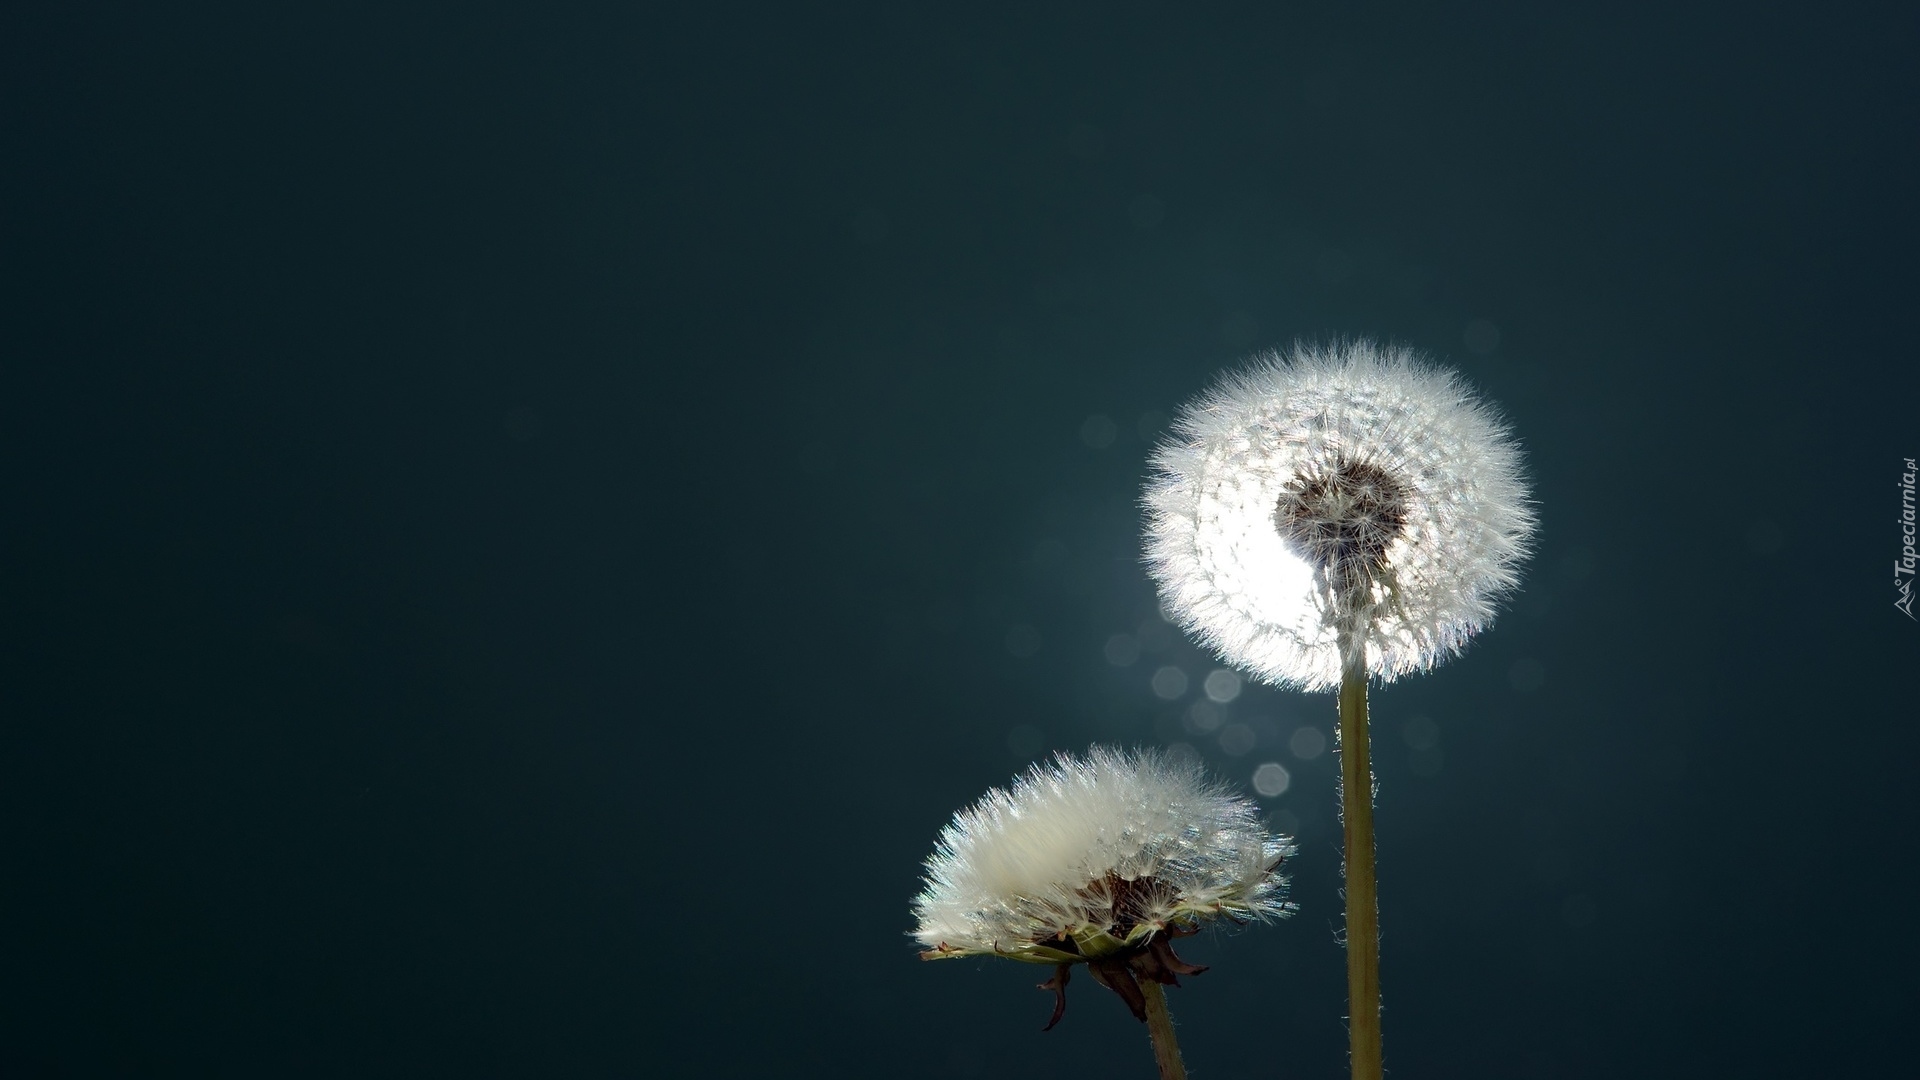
{"type": "Point", "coordinates": [522, 522]}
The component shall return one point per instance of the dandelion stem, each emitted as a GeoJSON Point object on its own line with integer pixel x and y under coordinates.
{"type": "Point", "coordinates": [1166, 1050]}
{"type": "Point", "coordinates": [1363, 906]}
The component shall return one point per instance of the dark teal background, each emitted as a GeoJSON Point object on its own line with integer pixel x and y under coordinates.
{"type": "Point", "coordinates": [515, 518]}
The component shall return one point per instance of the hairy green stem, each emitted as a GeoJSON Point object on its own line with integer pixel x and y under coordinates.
{"type": "Point", "coordinates": [1166, 1050]}
{"type": "Point", "coordinates": [1363, 905]}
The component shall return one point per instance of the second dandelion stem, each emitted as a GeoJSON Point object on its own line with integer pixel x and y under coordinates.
{"type": "Point", "coordinates": [1166, 1051]}
{"type": "Point", "coordinates": [1363, 906]}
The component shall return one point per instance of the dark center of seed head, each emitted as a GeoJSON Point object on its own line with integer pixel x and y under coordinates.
{"type": "Point", "coordinates": [1341, 518]}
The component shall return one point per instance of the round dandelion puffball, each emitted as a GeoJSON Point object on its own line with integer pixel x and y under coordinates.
{"type": "Point", "coordinates": [1088, 857]}
{"type": "Point", "coordinates": [1344, 486]}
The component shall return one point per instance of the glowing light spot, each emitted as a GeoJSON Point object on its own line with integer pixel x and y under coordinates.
{"type": "Point", "coordinates": [1307, 743]}
{"type": "Point", "coordinates": [1271, 779]}
{"type": "Point", "coordinates": [1222, 686]}
{"type": "Point", "coordinates": [1204, 716]}
{"type": "Point", "coordinates": [1169, 683]}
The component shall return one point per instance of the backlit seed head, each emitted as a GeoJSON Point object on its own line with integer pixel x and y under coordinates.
{"type": "Point", "coordinates": [1100, 860]}
{"type": "Point", "coordinates": [1346, 490]}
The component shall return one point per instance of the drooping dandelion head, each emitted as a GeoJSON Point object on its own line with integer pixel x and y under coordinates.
{"type": "Point", "coordinates": [1100, 860]}
{"type": "Point", "coordinates": [1348, 492]}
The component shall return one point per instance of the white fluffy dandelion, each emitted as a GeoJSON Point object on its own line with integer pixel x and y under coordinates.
{"type": "Point", "coordinates": [1329, 516]}
{"type": "Point", "coordinates": [1100, 860]}
{"type": "Point", "coordinates": [1340, 489]}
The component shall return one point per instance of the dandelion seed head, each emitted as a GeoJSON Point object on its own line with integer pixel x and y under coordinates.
{"type": "Point", "coordinates": [1084, 857]}
{"type": "Point", "coordinates": [1346, 487]}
